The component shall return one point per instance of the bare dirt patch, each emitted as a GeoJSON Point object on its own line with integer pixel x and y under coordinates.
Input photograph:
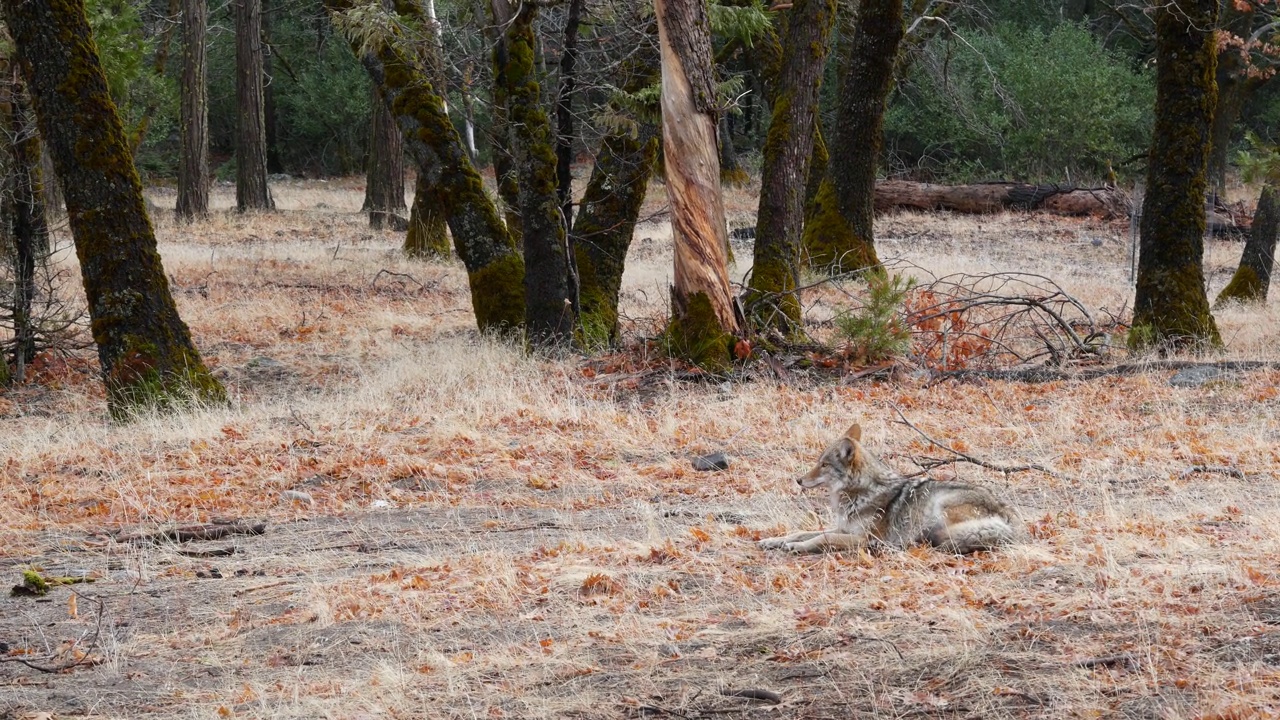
{"type": "Point", "coordinates": [458, 530]}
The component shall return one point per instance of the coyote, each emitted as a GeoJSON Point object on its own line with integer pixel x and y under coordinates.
{"type": "Point", "coordinates": [870, 502]}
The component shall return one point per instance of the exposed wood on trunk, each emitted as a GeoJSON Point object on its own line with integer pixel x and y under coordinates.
{"type": "Point", "coordinates": [702, 305]}
{"type": "Point", "coordinates": [993, 197]}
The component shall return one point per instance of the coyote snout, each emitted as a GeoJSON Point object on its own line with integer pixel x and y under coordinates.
{"type": "Point", "coordinates": [869, 501]}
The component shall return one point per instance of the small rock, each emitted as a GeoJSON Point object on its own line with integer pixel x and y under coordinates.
{"type": "Point", "coordinates": [297, 496]}
{"type": "Point", "coordinates": [1195, 376]}
{"type": "Point", "coordinates": [712, 462]}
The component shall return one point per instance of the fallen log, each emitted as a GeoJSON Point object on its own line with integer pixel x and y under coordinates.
{"type": "Point", "coordinates": [984, 198]}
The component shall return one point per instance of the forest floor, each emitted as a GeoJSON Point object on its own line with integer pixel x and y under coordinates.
{"type": "Point", "coordinates": [455, 529]}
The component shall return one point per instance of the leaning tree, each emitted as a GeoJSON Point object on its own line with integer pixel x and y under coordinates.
{"type": "Point", "coordinates": [145, 349]}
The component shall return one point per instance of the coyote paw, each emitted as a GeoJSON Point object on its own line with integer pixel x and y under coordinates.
{"type": "Point", "coordinates": [773, 543]}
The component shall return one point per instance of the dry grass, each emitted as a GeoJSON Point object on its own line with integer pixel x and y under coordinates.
{"type": "Point", "coordinates": [495, 535]}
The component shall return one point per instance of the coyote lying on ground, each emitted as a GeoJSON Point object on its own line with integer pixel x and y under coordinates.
{"type": "Point", "coordinates": [870, 502]}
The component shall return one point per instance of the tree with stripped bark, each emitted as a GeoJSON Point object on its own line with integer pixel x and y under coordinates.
{"type": "Point", "coordinates": [704, 319]}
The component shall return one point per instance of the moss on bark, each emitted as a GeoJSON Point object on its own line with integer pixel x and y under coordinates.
{"type": "Point", "coordinates": [606, 222]}
{"type": "Point", "coordinates": [839, 236]}
{"type": "Point", "coordinates": [787, 151]}
{"type": "Point", "coordinates": [1171, 309]}
{"type": "Point", "coordinates": [479, 234]}
{"type": "Point", "coordinates": [697, 336]}
{"type": "Point", "coordinates": [427, 236]}
{"type": "Point", "coordinates": [549, 308]}
{"type": "Point", "coordinates": [1252, 278]}
{"type": "Point", "coordinates": [145, 349]}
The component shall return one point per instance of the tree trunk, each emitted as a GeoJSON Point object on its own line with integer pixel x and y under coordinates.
{"type": "Point", "coordinates": [427, 236]}
{"type": "Point", "coordinates": [1171, 309]}
{"type": "Point", "coordinates": [274, 162]}
{"type": "Point", "coordinates": [495, 270]}
{"type": "Point", "coordinates": [787, 149]}
{"type": "Point", "coordinates": [838, 237]}
{"type": "Point", "coordinates": [25, 212]}
{"type": "Point", "coordinates": [564, 111]}
{"type": "Point", "coordinates": [384, 183]}
{"type": "Point", "coordinates": [983, 198]}
{"type": "Point", "coordinates": [550, 306]}
{"type": "Point", "coordinates": [704, 323]}
{"type": "Point", "coordinates": [145, 349]}
{"type": "Point", "coordinates": [607, 215]}
{"type": "Point", "coordinates": [1252, 278]}
{"type": "Point", "coordinates": [193, 159]}
{"type": "Point", "coordinates": [252, 191]}
{"type": "Point", "coordinates": [504, 165]}
{"type": "Point", "coordinates": [731, 170]}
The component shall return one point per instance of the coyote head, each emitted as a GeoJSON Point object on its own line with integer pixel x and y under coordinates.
{"type": "Point", "coordinates": [841, 465]}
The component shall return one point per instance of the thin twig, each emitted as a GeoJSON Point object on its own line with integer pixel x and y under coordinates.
{"type": "Point", "coordinates": [963, 457]}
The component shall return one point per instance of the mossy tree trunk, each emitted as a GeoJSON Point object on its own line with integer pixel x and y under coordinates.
{"type": "Point", "coordinates": [384, 181]}
{"type": "Point", "coordinates": [606, 220]}
{"type": "Point", "coordinates": [193, 157]}
{"type": "Point", "coordinates": [1252, 278]}
{"type": "Point", "coordinates": [704, 322]}
{"type": "Point", "coordinates": [787, 150]}
{"type": "Point", "coordinates": [550, 306]}
{"type": "Point", "coordinates": [838, 236]}
{"type": "Point", "coordinates": [252, 191]}
{"type": "Point", "coordinates": [26, 228]}
{"type": "Point", "coordinates": [145, 349]}
{"type": "Point", "coordinates": [1171, 309]}
{"type": "Point", "coordinates": [428, 235]}
{"type": "Point", "coordinates": [495, 270]}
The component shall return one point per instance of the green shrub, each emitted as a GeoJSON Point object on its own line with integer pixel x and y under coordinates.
{"type": "Point", "coordinates": [1021, 104]}
{"type": "Point", "coordinates": [877, 331]}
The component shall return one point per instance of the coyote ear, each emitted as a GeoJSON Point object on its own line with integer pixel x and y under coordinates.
{"type": "Point", "coordinates": [846, 451]}
{"type": "Point", "coordinates": [854, 432]}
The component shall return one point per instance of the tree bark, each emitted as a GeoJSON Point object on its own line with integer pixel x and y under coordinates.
{"type": "Point", "coordinates": [787, 150]}
{"type": "Point", "coordinates": [550, 306]}
{"type": "Point", "coordinates": [564, 111]}
{"type": "Point", "coordinates": [495, 270]}
{"type": "Point", "coordinates": [838, 237]}
{"type": "Point", "coordinates": [193, 158]}
{"type": "Point", "coordinates": [704, 322]}
{"type": "Point", "coordinates": [504, 164]}
{"type": "Point", "coordinates": [25, 213]}
{"type": "Point", "coordinates": [252, 191]}
{"type": "Point", "coordinates": [274, 162]}
{"type": "Point", "coordinates": [1252, 278]}
{"type": "Point", "coordinates": [384, 183]}
{"type": "Point", "coordinates": [611, 204]}
{"type": "Point", "coordinates": [1171, 309]}
{"type": "Point", "coordinates": [145, 349]}
{"type": "Point", "coordinates": [427, 236]}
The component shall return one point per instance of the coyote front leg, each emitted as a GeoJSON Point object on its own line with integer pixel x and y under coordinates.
{"type": "Point", "coordinates": [813, 542]}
